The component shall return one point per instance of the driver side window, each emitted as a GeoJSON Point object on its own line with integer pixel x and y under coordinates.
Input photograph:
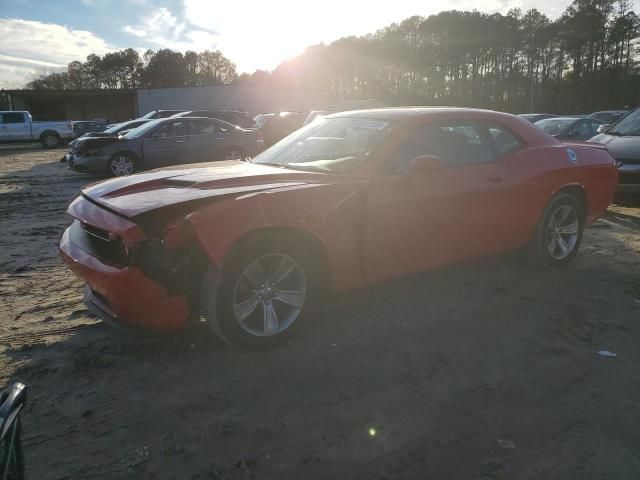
{"type": "Point", "coordinates": [581, 129]}
{"type": "Point", "coordinates": [171, 129]}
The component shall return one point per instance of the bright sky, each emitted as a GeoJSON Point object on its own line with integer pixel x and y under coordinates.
{"type": "Point", "coordinates": [37, 35]}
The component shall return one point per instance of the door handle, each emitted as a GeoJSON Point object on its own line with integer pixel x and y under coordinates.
{"type": "Point", "coordinates": [219, 138]}
{"type": "Point", "coordinates": [179, 141]}
{"type": "Point", "coordinates": [494, 178]}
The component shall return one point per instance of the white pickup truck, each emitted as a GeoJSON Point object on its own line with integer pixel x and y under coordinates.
{"type": "Point", "coordinates": [17, 126]}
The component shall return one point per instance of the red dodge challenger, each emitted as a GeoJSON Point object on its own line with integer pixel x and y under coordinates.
{"type": "Point", "coordinates": [348, 200]}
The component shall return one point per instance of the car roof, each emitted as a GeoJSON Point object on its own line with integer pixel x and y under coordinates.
{"type": "Point", "coordinates": [194, 117]}
{"type": "Point", "coordinates": [412, 113]}
{"type": "Point", "coordinates": [575, 119]}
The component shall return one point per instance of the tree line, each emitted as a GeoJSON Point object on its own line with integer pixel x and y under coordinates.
{"type": "Point", "coordinates": [587, 59]}
{"type": "Point", "coordinates": [154, 69]}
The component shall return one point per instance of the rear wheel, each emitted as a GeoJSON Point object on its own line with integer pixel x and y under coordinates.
{"type": "Point", "coordinates": [50, 140]}
{"type": "Point", "coordinates": [263, 294]}
{"type": "Point", "coordinates": [559, 232]}
{"type": "Point", "coordinates": [122, 164]}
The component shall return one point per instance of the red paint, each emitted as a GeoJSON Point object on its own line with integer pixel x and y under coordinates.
{"type": "Point", "coordinates": [372, 225]}
{"type": "Point", "coordinates": [136, 300]}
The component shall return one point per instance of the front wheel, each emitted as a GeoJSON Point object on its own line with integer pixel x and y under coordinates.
{"type": "Point", "coordinates": [121, 165]}
{"type": "Point", "coordinates": [263, 294]}
{"type": "Point", "coordinates": [559, 232]}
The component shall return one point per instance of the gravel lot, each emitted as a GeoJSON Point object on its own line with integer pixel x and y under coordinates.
{"type": "Point", "coordinates": [481, 371]}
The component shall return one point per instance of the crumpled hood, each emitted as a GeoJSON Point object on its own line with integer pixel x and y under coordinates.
{"type": "Point", "coordinates": [138, 194]}
{"type": "Point", "coordinates": [621, 148]}
{"type": "Point", "coordinates": [87, 143]}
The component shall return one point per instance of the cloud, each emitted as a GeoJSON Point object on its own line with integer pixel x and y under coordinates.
{"type": "Point", "coordinates": [94, 3]}
{"type": "Point", "coordinates": [29, 47]}
{"type": "Point", "coordinates": [261, 34]}
{"type": "Point", "coordinates": [163, 29]}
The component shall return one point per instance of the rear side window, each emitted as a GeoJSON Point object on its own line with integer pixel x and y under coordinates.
{"type": "Point", "coordinates": [582, 129]}
{"type": "Point", "coordinates": [12, 118]}
{"type": "Point", "coordinates": [504, 142]}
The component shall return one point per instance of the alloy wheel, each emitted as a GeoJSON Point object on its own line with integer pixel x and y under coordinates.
{"type": "Point", "coordinates": [562, 232]}
{"type": "Point", "coordinates": [269, 295]}
{"type": "Point", "coordinates": [121, 166]}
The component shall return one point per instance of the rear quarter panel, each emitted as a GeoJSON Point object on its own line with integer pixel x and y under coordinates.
{"type": "Point", "coordinates": [536, 174]}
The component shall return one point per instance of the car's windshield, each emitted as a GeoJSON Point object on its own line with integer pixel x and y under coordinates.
{"type": "Point", "coordinates": [629, 125]}
{"type": "Point", "coordinates": [555, 126]}
{"type": "Point", "coordinates": [143, 129]}
{"type": "Point", "coordinates": [336, 145]}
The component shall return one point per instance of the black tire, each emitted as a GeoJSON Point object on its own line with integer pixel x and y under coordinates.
{"type": "Point", "coordinates": [50, 140]}
{"type": "Point", "coordinates": [538, 251]}
{"type": "Point", "coordinates": [240, 155]}
{"type": "Point", "coordinates": [218, 290]}
{"type": "Point", "coordinates": [112, 170]}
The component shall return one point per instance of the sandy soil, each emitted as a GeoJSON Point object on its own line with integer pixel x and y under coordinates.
{"type": "Point", "coordinates": [481, 371]}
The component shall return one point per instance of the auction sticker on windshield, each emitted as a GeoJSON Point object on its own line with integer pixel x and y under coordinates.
{"type": "Point", "coordinates": [370, 124]}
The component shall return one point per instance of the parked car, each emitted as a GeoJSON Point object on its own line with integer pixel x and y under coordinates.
{"type": "Point", "coordinates": [570, 128]}
{"type": "Point", "coordinates": [83, 127]}
{"type": "Point", "coordinates": [113, 131]}
{"type": "Point", "coordinates": [276, 126]}
{"type": "Point", "coordinates": [536, 117]}
{"type": "Point", "coordinates": [17, 126]}
{"type": "Point", "coordinates": [241, 119]}
{"type": "Point", "coordinates": [164, 142]}
{"type": "Point", "coordinates": [622, 140]}
{"type": "Point", "coordinates": [349, 200]}
{"type": "Point", "coordinates": [155, 114]}
{"type": "Point", "coordinates": [88, 140]}
{"type": "Point", "coordinates": [609, 116]}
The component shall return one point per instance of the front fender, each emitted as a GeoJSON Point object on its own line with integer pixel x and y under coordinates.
{"type": "Point", "coordinates": [332, 213]}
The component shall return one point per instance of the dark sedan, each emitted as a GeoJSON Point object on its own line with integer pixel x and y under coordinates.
{"type": "Point", "coordinates": [164, 142]}
{"type": "Point", "coordinates": [623, 142]}
{"type": "Point", "coordinates": [609, 116]}
{"type": "Point", "coordinates": [570, 128]}
{"type": "Point", "coordinates": [536, 117]}
{"type": "Point", "coordinates": [113, 131]}
{"type": "Point", "coordinates": [81, 128]}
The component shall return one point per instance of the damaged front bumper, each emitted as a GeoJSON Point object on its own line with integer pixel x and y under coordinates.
{"type": "Point", "coordinates": [132, 297]}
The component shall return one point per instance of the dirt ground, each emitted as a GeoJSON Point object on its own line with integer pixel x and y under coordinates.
{"type": "Point", "coordinates": [481, 371]}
